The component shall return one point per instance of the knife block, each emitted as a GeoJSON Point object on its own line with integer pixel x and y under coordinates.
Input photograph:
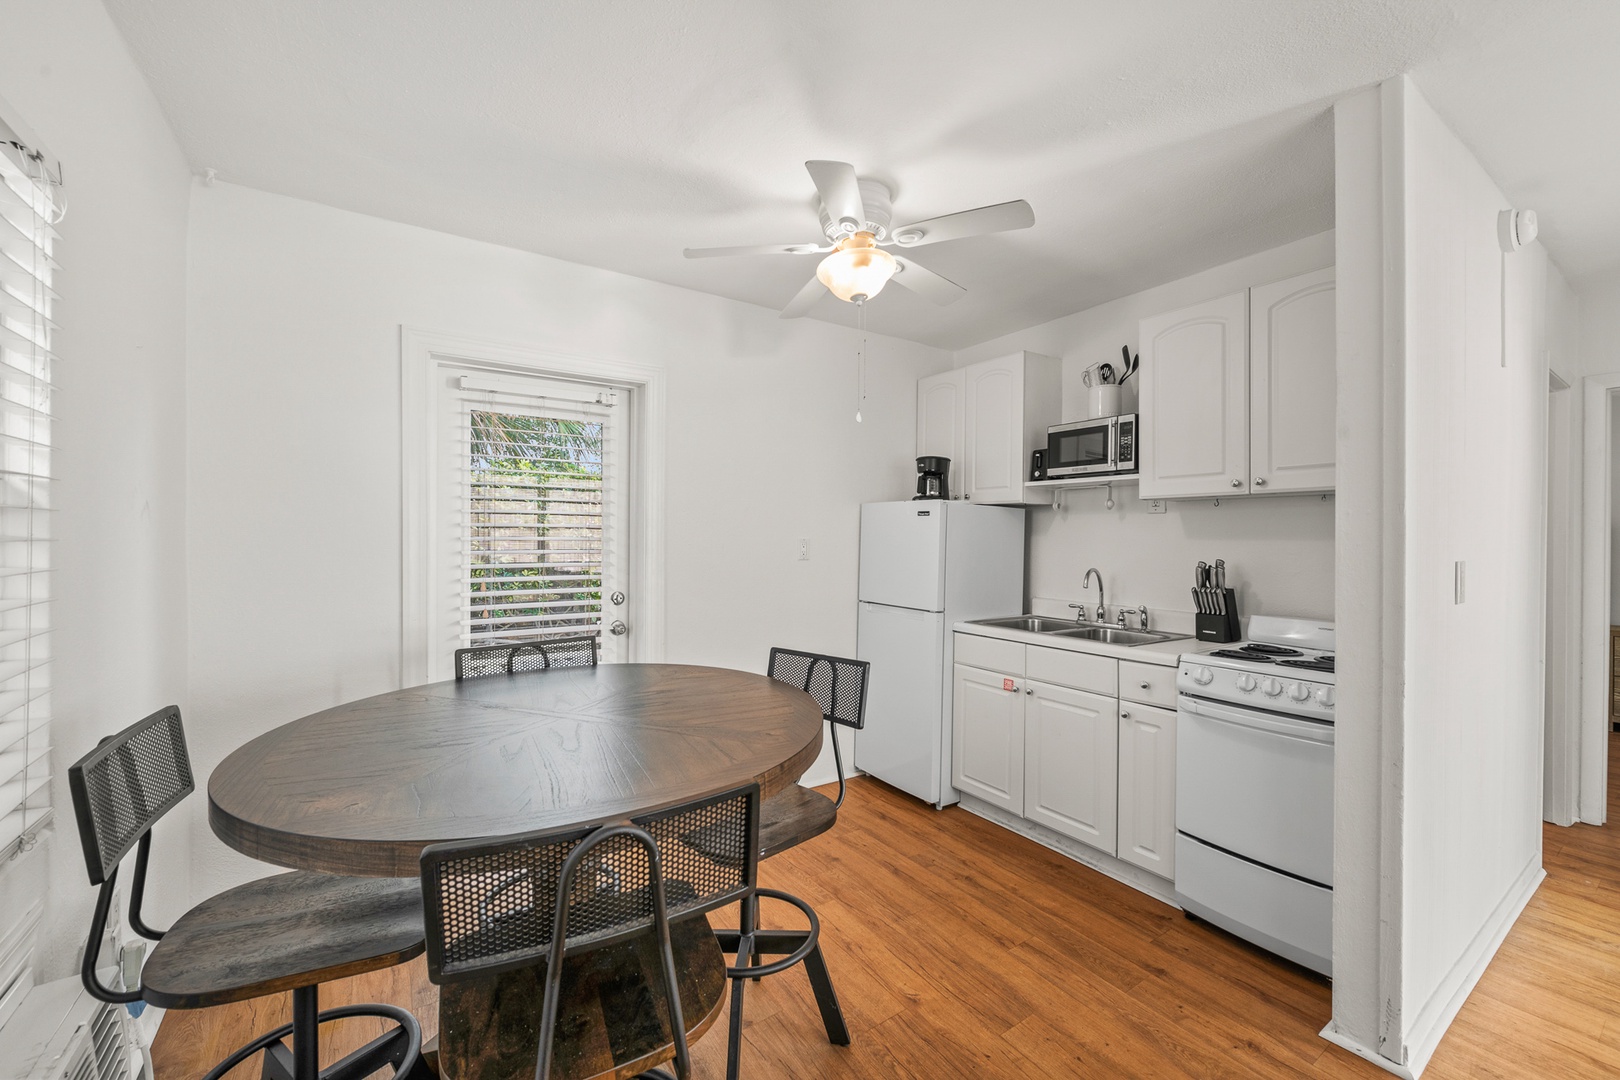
{"type": "Point", "coordinates": [1225, 626]}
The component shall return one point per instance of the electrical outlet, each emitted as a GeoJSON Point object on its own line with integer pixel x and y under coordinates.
{"type": "Point", "coordinates": [804, 549]}
{"type": "Point", "coordinates": [1157, 506]}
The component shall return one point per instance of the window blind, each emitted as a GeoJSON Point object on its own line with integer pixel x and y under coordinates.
{"type": "Point", "coordinates": [30, 205]}
{"type": "Point", "coordinates": [538, 511]}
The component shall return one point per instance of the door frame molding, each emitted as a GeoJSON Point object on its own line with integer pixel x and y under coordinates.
{"type": "Point", "coordinates": [421, 353]}
{"type": "Point", "coordinates": [1598, 392]}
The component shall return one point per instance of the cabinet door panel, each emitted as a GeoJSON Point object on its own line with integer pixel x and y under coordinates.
{"type": "Point", "coordinates": [1071, 762]}
{"type": "Point", "coordinates": [995, 430]}
{"type": "Point", "coordinates": [1292, 383]}
{"type": "Point", "coordinates": [987, 735]}
{"type": "Point", "coordinates": [940, 422]}
{"type": "Point", "coordinates": [1147, 788]}
{"type": "Point", "coordinates": [1195, 400]}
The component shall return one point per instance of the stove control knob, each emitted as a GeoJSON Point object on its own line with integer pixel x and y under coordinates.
{"type": "Point", "coordinates": [1299, 691]}
{"type": "Point", "coordinates": [1203, 676]}
{"type": "Point", "coordinates": [1245, 683]}
{"type": "Point", "coordinates": [1273, 688]}
{"type": "Point", "coordinates": [1324, 696]}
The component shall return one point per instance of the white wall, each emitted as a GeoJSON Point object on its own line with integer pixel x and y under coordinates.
{"type": "Point", "coordinates": [119, 584]}
{"type": "Point", "coordinates": [1279, 550]}
{"type": "Point", "coordinates": [1561, 754]}
{"type": "Point", "coordinates": [294, 413]}
{"type": "Point", "coordinates": [1449, 447]}
{"type": "Point", "coordinates": [1614, 515]}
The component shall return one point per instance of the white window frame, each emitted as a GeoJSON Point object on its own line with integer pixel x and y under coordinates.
{"type": "Point", "coordinates": [424, 357]}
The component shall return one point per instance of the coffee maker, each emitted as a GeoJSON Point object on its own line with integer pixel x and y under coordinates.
{"type": "Point", "coordinates": [931, 477]}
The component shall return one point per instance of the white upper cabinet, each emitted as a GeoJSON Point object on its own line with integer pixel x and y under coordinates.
{"type": "Point", "coordinates": [1195, 400]}
{"type": "Point", "coordinates": [940, 419]}
{"type": "Point", "coordinates": [987, 418]}
{"type": "Point", "coordinates": [1291, 384]}
{"type": "Point", "coordinates": [1238, 393]}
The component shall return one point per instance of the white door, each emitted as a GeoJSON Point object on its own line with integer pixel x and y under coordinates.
{"type": "Point", "coordinates": [987, 759]}
{"type": "Point", "coordinates": [994, 394]}
{"type": "Point", "coordinates": [1292, 392]}
{"type": "Point", "coordinates": [903, 554]}
{"type": "Point", "coordinates": [903, 742]}
{"type": "Point", "coordinates": [1071, 763]}
{"type": "Point", "coordinates": [1257, 784]}
{"type": "Point", "coordinates": [940, 420]}
{"type": "Point", "coordinates": [1147, 787]}
{"type": "Point", "coordinates": [531, 514]}
{"type": "Point", "coordinates": [1195, 400]}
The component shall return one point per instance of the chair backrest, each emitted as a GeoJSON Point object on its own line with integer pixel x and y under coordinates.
{"type": "Point", "coordinates": [529, 656]}
{"type": "Point", "coordinates": [123, 786]}
{"type": "Point", "coordinates": [837, 684]}
{"type": "Point", "coordinates": [493, 905]}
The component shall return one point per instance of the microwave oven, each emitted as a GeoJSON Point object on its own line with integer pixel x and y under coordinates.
{"type": "Point", "coordinates": [1099, 447]}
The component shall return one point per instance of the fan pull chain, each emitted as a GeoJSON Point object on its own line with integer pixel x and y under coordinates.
{"type": "Point", "coordinates": [860, 357]}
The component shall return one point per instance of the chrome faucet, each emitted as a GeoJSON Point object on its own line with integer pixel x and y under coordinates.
{"type": "Point", "coordinates": [1102, 606]}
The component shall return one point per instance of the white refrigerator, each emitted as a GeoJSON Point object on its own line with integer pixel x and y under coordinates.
{"type": "Point", "coordinates": [925, 566]}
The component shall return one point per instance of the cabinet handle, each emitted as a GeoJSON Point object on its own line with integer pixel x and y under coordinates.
{"type": "Point", "coordinates": [1144, 686]}
{"type": "Point", "coordinates": [1259, 481]}
{"type": "Point", "coordinates": [1123, 715]}
{"type": "Point", "coordinates": [1237, 483]}
{"type": "Point", "coordinates": [1028, 691]}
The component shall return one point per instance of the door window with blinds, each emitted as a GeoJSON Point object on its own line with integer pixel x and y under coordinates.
{"type": "Point", "coordinates": [29, 207]}
{"type": "Point", "coordinates": [533, 497]}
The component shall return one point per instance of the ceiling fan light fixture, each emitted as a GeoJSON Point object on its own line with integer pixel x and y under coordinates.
{"type": "Point", "coordinates": [858, 267]}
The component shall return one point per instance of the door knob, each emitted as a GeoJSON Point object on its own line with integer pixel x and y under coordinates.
{"type": "Point", "coordinates": [1237, 483]}
{"type": "Point", "coordinates": [617, 628]}
{"type": "Point", "coordinates": [616, 598]}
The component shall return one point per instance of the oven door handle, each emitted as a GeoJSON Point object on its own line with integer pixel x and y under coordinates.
{"type": "Point", "coordinates": [1305, 730]}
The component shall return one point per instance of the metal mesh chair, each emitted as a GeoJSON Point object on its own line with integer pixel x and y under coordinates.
{"type": "Point", "coordinates": [303, 927]}
{"type": "Point", "coordinates": [837, 684]}
{"type": "Point", "coordinates": [536, 900]}
{"type": "Point", "coordinates": [528, 656]}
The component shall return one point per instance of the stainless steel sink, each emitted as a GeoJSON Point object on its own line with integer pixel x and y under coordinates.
{"type": "Point", "coordinates": [1110, 635]}
{"type": "Point", "coordinates": [1114, 635]}
{"type": "Point", "coordinates": [1035, 624]}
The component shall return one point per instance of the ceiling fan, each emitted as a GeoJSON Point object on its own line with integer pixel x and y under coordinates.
{"type": "Point", "coordinates": [855, 217]}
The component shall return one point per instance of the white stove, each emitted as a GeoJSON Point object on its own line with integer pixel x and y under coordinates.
{"type": "Point", "coordinates": [1285, 665]}
{"type": "Point", "coordinates": [1254, 788]}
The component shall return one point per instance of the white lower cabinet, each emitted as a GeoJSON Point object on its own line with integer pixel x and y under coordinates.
{"type": "Point", "coordinates": [1070, 780]}
{"type": "Point", "coordinates": [1067, 748]}
{"type": "Point", "coordinates": [987, 759]}
{"type": "Point", "coordinates": [1147, 787]}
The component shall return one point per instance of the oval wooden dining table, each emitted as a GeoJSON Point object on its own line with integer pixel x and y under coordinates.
{"type": "Point", "coordinates": [362, 788]}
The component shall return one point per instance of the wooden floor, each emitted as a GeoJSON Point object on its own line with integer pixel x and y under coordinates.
{"type": "Point", "coordinates": [959, 949]}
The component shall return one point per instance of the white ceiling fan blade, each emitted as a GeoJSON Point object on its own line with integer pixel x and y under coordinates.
{"type": "Point", "coordinates": [1002, 217]}
{"type": "Point", "coordinates": [756, 249]}
{"type": "Point", "coordinates": [925, 283]}
{"type": "Point", "coordinates": [840, 192]}
{"type": "Point", "coordinates": [813, 290]}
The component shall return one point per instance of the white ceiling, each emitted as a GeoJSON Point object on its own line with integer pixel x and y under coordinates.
{"type": "Point", "coordinates": [1154, 139]}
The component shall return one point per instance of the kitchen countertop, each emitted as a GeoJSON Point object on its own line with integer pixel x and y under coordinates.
{"type": "Point", "coordinates": [1164, 653]}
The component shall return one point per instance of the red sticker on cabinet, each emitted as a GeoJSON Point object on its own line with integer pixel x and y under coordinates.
{"type": "Point", "coordinates": [1008, 684]}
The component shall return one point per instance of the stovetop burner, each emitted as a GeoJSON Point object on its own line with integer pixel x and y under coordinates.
{"type": "Point", "coordinates": [1260, 653]}
{"type": "Point", "coordinates": [1315, 663]}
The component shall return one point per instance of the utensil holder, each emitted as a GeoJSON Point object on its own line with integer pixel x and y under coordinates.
{"type": "Point", "coordinates": [1225, 626]}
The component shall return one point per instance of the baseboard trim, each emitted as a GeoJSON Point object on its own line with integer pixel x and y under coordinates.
{"type": "Point", "coordinates": [1121, 871]}
{"type": "Point", "coordinates": [1435, 1017]}
{"type": "Point", "coordinates": [1338, 1038]}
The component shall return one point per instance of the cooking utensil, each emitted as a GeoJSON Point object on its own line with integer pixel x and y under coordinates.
{"type": "Point", "coordinates": [1105, 372]}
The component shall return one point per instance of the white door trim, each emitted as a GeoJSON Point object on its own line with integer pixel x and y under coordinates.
{"type": "Point", "coordinates": [420, 352]}
{"type": "Point", "coordinates": [1594, 599]}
